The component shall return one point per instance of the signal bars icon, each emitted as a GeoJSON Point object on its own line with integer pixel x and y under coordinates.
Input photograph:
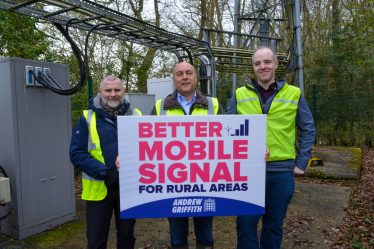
{"type": "Point", "coordinates": [244, 129]}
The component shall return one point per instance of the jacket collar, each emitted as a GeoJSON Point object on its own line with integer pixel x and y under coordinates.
{"type": "Point", "coordinates": [95, 105]}
{"type": "Point", "coordinates": [280, 84]}
{"type": "Point", "coordinates": [171, 100]}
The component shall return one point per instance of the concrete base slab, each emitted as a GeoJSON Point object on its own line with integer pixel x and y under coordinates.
{"type": "Point", "coordinates": [324, 204]}
{"type": "Point", "coordinates": [340, 163]}
{"type": "Point", "coordinates": [25, 233]}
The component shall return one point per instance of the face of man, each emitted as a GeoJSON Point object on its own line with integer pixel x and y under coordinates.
{"type": "Point", "coordinates": [264, 66]}
{"type": "Point", "coordinates": [185, 79]}
{"type": "Point", "coordinates": [112, 93]}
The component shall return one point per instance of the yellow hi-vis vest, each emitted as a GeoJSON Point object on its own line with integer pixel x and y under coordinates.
{"type": "Point", "coordinates": [280, 132]}
{"type": "Point", "coordinates": [213, 107]}
{"type": "Point", "coordinates": [94, 189]}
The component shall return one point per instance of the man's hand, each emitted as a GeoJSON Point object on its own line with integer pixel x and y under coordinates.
{"type": "Point", "coordinates": [112, 179]}
{"type": "Point", "coordinates": [298, 171]}
{"type": "Point", "coordinates": [117, 163]}
{"type": "Point", "coordinates": [267, 154]}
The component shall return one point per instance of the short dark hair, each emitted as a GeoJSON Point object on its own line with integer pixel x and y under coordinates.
{"type": "Point", "coordinates": [110, 78]}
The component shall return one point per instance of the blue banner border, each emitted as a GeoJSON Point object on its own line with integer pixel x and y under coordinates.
{"type": "Point", "coordinates": [208, 206]}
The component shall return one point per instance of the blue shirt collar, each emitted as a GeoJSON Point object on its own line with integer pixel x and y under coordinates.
{"type": "Point", "coordinates": [183, 99]}
{"type": "Point", "coordinates": [184, 103]}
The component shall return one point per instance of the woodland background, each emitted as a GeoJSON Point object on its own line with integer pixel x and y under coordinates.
{"type": "Point", "coordinates": [338, 55]}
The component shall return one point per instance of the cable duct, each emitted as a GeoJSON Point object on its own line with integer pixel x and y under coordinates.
{"type": "Point", "coordinates": [50, 82]}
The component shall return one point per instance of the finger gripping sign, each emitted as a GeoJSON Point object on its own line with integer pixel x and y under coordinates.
{"type": "Point", "coordinates": [190, 166]}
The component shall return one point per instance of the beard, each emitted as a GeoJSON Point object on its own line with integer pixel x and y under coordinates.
{"type": "Point", "coordinates": [113, 105]}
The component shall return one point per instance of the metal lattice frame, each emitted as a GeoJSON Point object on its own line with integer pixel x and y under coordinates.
{"type": "Point", "coordinates": [273, 23]}
{"type": "Point", "coordinates": [116, 25]}
{"type": "Point", "coordinates": [230, 56]}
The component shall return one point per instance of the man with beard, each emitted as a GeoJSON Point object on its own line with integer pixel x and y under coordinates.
{"type": "Point", "coordinates": [93, 150]}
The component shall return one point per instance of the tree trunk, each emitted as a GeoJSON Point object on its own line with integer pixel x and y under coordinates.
{"type": "Point", "coordinates": [211, 21]}
{"type": "Point", "coordinates": [204, 17]}
{"type": "Point", "coordinates": [148, 59]}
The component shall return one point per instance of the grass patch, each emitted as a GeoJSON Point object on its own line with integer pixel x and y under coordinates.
{"type": "Point", "coordinates": [55, 237]}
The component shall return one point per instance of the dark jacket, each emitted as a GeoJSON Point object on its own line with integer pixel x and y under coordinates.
{"type": "Point", "coordinates": [107, 130]}
{"type": "Point", "coordinates": [171, 102]}
{"type": "Point", "coordinates": [305, 123]}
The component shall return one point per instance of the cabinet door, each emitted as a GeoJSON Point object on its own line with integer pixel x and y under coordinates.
{"type": "Point", "coordinates": [44, 131]}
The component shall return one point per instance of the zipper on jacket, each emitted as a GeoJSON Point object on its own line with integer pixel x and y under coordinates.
{"type": "Point", "coordinates": [193, 107]}
{"type": "Point", "coordinates": [259, 97]}
{"type": "Point", "coordinates": [182, 108]}
{"type": "Point", "coordinates": [276, 93]}
{"type": "Point", "coordinates": [178, 106]}
{"type": "Point", "coordinates": [263, 105]}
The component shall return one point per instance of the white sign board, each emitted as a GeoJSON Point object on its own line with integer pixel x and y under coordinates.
{"type": "Point", "coordinates": [189, 166]}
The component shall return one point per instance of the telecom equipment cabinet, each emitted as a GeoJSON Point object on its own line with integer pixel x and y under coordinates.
{"type": "Point", "coordinates": [143, 102]}
{"type": "Point", "coordinates": [160, 87]}
{"type": "Point", "coordinates": [35, 132]}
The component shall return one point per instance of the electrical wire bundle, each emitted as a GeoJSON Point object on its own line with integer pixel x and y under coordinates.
{"type": "Point", "coordinates": [50, 82]}
{"type": "Point", "coordinates": [204, 72]}
{"type": "Point", "coordinates": [292, 65]}
{"type": "Point", "coordinates": [288, 13]}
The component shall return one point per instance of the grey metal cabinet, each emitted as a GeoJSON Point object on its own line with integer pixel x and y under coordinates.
{"type": "Point", "coordinates": [35, 132]}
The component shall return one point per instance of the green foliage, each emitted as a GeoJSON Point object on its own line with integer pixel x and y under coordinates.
{"type": "Point", "coordinates": [342, 70]}
{"type": "Point", "coordinates": [20, 37]}
{"type": "Point", "coordinates": [367, 219]}
{"type": "Point", "coordinates": [348, 51]}
{"type": "Point", "coordinates": [356, 243]}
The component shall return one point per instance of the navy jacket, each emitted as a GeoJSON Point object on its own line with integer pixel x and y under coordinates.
{"type": "Point", "coordinates": [305, 123]}
{"type": "Point", "coordinates": [107, 130]}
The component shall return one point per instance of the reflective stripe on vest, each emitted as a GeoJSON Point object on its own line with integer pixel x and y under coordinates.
{"type": "Point", "coordinates": [281, 118]}
{"type": "Point", "coordinates": [213, 106]}
{"type": "Point", "coordinates": [243, 100]}
{"type": "Point", "coordinates": [94, 189]}
{"type": "Point", "coordinates": [130, 112]}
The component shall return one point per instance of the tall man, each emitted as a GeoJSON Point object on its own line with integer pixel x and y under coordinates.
{"type": "Point", "coordinates": [187, 100]}
{"type": "Point", "coordinates": [285, 107]}
{"type": "Point", "coordinates": [93, 150]}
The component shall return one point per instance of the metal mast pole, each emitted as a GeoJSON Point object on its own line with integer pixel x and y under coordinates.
{"type": "Point", "coordinates": [236, 24]}
{"type": "Point", "coordinates": [299, 51]}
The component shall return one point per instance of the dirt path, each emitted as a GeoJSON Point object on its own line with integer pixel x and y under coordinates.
{"type": "Point", "coordinates": [313, 210]}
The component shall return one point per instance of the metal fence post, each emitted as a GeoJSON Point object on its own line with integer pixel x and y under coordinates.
{"type": "Point", "coordinates": [334, 139]}
{"type": "Point", "coordinates": [341, 139]}
{"type": "Point", "coordinates": [352, 139]}
{"type": "Point", "coordinates": [367, 139]}
{"type": "Point", "coordinates": [297, 25]}
{"type": "Point", "coordinates": [236, 24]}
{"type": "Point", "coordinates": [90, 90]}
{"type": "Point", "coordinates": [329, 138]}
